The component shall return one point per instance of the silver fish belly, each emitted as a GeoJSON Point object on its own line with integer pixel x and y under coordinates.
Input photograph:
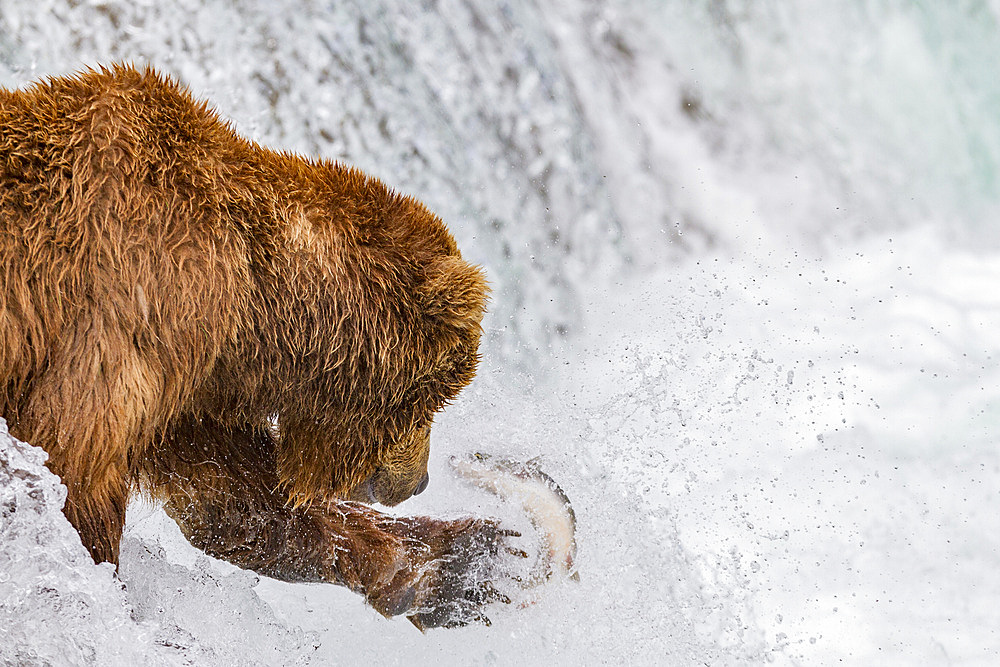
{"type": "Point", "coordinates": [542, 500]}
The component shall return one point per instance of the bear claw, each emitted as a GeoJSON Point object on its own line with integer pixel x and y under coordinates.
{"type": "Point", "coordinates": [463, 581]}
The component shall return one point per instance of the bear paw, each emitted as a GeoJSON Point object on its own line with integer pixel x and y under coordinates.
{"type": "Point", "coordinates": [455, 569]}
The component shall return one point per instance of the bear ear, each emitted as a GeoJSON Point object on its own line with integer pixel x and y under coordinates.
{"type": "Point", "coordinates": [454, 293]}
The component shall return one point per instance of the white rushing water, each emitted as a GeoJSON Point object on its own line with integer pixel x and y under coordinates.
{"type": "Point", "coordinates": [745, 264]}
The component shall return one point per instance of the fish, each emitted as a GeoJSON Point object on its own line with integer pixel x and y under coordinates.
{"type": "Point", "coordinates": [542, 500]}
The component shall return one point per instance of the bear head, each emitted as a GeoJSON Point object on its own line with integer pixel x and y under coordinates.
{"type": "Point", "coordinates": [386, 323]}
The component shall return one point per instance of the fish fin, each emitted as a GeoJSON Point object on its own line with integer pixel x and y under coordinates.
{"type": "Point", "coordinates": [575, 577]}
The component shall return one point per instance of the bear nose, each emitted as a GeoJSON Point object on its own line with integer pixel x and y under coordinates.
{"type": "Point", "coordinates": [423, 484]}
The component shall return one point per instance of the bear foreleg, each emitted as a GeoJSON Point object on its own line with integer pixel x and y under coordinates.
{"type": "Point", "coordinates": [220, 485]}
{"type": "Point", "coordinates": [87, 410]}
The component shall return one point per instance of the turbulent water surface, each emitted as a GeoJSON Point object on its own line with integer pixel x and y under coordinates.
{"type": "Point", "coordinates": [745, 270]}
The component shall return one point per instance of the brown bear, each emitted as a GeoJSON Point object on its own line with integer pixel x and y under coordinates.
{"type": "Point", "coordinates": [258, 339]}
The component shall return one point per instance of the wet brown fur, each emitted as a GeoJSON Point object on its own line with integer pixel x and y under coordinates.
{"type": "Point", "coordinates": [245, 334]}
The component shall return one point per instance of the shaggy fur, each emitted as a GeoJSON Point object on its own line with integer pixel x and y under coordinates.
{"type": "Point", "coordinates": [253, 337]}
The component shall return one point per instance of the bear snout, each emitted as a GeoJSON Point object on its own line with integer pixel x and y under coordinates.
{"type": "Point", "coordinates": [422, 485]}
{"type": "Point", "coordinates": [390, 488]}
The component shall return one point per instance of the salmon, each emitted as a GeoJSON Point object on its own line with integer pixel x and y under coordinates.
{"type": "Point", "coordinates": [543, 501]}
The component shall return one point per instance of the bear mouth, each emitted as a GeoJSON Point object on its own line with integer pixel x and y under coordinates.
{"type": "Point", "coordinates": [364, 492]}
{"type": "Point", "coordinates": [368, 490]}
{"type": "Point", "coordinates": [375, 491]}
